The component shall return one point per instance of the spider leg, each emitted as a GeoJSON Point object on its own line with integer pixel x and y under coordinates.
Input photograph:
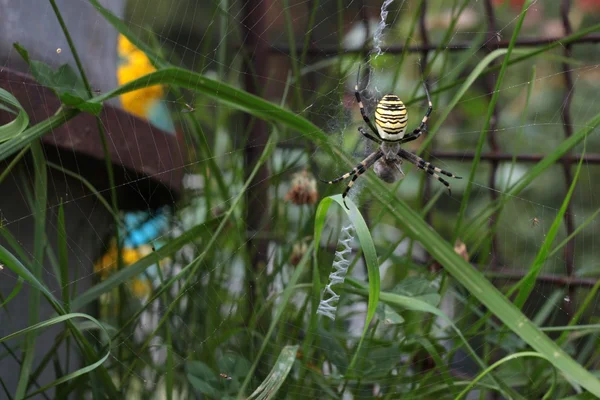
{"type": "Point", "coordinates": [428, 167]}
{"type": "Point", "coordinates": [356, 172]}
{"type": "Point", "coordinates": [363, 112]}
{"type": "Point", "coordinates": [361, 169]}
{"type": "Point", "coordinates": [341, 178]}
{"type": "Point", "coordinates": [368, 135]}
{"type": "Point", "coordinates": [423, 125]}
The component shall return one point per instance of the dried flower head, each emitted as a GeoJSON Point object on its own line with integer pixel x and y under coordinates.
{"type": "Point", "coordinates": [298, 252]}
{"type": "Point", "coordinates": [303, 190]}
{"type": "Point", "coordinates": [459, 248]}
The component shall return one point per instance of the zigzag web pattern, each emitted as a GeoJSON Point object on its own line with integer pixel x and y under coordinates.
{"type": "Point", "coordinates": [329, 299]}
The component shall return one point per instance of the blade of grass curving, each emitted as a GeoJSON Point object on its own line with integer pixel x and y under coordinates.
{"type": "Point", "coordinates": [368, 249]}
{"type": "Point", "coordinates": [90, 354]}
{"type": "Point", "coordinates": [504, 360]}
{"type": "Point", "coordinates": [53, 321]}
{"type": "Point", "coordinates": [296, 122]}
{"type": "Point", "coordinates": [269, 387]}
{"type": "Point", "coordinates": [527, 283]}
{"type": "Point", "coordinates": [486, 124]}
{"type": "Point", "coordinates": [223, 93]}
{"type": "Point", "coordinates": [19, 124]}
{"type": "Point", "coordinates": [30, 134]}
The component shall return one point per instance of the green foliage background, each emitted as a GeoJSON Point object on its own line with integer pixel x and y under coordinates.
{"type": "Point", "coordinates": [427, 332]}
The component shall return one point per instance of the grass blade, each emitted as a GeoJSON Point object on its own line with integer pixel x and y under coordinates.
{"type": "Point", "coordinates": [527, 284]}
{"type": "Point", "coordinates": [19, 124]}
{"type": "Point", "coordinates": [38, 206]}
{"type": "Point", "coordinates": [269, 387]}
{"type": "Point", "coordinates": [63, 258]}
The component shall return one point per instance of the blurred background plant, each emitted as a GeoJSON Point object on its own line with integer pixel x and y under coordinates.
{"type": "Point", "coordinates": [216, 295]}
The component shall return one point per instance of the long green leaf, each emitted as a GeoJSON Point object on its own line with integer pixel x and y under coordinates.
{"type": "Point", "coordinates": [53, 321]}
{"type": "Point", "coordinates": [368, 248]}
{"type": "Point", "coordinates": [223, 93]}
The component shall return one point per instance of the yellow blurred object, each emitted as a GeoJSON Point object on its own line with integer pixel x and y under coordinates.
{"type": "Point", "coordinates": [135, 64]}
{"type": "Point", "coordinates": [140, 288]}
{"type": "Point", "coordinates": [108, 263]}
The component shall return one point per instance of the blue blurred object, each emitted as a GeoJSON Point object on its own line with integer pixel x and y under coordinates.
{"type": "Point", "coordinates": [143, 227]}
{"type": "Point", "coordinates": [159, 116]}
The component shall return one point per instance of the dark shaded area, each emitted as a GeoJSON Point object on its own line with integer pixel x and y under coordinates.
{"type": "Point", "coordinates": [147, 161]}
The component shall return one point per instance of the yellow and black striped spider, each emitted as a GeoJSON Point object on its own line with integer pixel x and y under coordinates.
{"type": "Point", "coordinates": [391, 118]}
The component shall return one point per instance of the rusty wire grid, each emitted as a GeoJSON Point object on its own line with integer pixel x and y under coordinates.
{"type": "Point", "coordinates": [496, 156]}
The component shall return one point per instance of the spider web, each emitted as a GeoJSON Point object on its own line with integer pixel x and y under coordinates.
{"type": "Point", "coordinates": [207, 328]}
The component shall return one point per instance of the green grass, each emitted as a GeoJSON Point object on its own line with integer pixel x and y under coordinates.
{"type": "Point", "coordinates": [418, 310]}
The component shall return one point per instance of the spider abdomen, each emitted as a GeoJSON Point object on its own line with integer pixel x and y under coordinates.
{"type": "Point", "coordinates": [388, 171]}
{"type": "Point", "coordinates": [391, 117]}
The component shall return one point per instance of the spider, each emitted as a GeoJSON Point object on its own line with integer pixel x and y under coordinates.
{"type": "Point", "coordinates": [391, 119]}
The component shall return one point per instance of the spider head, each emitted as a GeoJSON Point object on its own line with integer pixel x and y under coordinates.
{"type": "Point", "coordinates": [391, 117]}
